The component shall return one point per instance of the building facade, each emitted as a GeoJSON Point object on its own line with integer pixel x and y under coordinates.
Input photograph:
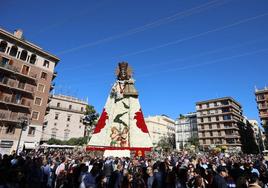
{"type": "Point", "coordinates": [218, 121]}
{"type": "Point", "coordinates": [64, 119]}
{"type": "Point", "coordinates": [186, 128]}
{"type": "Point", "coordinates": [160, 127]}
{"type": "Point", "coordinates": [26, 73]}
{"type": "Point", "coordinates": [257, 132]}
{"type": "Point", "coordinates": [262, 104]}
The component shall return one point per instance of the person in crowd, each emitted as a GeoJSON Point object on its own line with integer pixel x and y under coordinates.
{"type": "Point", "coordinates": [80, 169]}
{"type": "Point", "coordinates": [219, 179]}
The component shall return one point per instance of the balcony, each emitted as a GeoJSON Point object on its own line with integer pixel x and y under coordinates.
{"type": "Point", "coordinates": [263, 107]}
{"type": "Point", "coordinates": [52, 86]}
{"type": "Point", "coordinates": [261, 98]}
{"type": "Point", "coordinates": [55, 74]}
{"type": "Point", "coordinates": [232, 136]}
{"type": "Point", "coordinates": [6, 100]}
{"type": "Point", "coordinates": [15, 70]}
{"type": "Point", "coordinates": [264, 115]}
{"type": "Point", "coordinates": [17, 87]}
{"type": "Point", "coordinates": [11, 117]}
{"type": "Point", "coordinates": [64, 109]}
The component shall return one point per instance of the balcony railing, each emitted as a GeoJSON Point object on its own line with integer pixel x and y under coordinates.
{"type": "Point", "coordinates": [55, 74]}
{"type": "Point", "coordinates": [262, 107]}
{"type": "Point", "coordinates": [15, 70]}
{"type": "Point", "coordinates": [17, 86]}
{"type": "Point", "coordinates": [52, 86]}
{"type": "Point", "coordinates": [15, 117]}
{"type": "Point", "coordinates": [20, 103]}
{"type": "Point", "coordinates": [65, 109]}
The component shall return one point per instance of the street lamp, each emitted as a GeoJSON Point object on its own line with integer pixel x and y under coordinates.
{"type": "Point", "coordinates": [23, 124]}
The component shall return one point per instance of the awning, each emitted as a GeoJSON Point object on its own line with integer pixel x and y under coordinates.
{"type": "Point", "coordinates": [29, 145]}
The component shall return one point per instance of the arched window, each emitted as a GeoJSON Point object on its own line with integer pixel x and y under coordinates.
{"type": "Point", "coordinates": [14, 50]}
{"type": "Point", "coordinates": [3, 46]}
{"type": "Point", "coordinates": [33, 59]}
{"type": "Point", "coordinates": [23, 55]}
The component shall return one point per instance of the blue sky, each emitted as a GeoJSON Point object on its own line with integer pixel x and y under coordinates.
{"type": "Point", "coordinates": [181, 51]}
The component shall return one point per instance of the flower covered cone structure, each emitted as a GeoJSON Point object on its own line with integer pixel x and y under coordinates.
{"type": "Point", "coordinates": [121, 125]}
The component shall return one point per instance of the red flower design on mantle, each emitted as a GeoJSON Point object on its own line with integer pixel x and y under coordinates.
{"type": "Point", "coordinates": [102, 122]}
{"type": "Point", "coordinates": [140, 121]}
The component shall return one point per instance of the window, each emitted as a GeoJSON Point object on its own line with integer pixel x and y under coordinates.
{"type": "Point", "coordinates": [54, 133]}
{"type": "Point", "coordinates": [4, 61]}
{"type": "Point", "coordinates": [46, 63]}
{"type": "Point", "coordinates": [35, 115]}
{"type": "Point", "coordinates": [58, 104]}
{"type": "Point", "coordinates": [202, 126]}
{"type": "Point", "coordinates": [225, 110]}
{"type": "Point", "coordinates": [23, 55]}
{"type": "Point", "coordinates": [67, 125]}
{"type": "Point", "coordinates": [31, 131]}
{"type": "Point", "coordinates": [70, 107]}
{"type": "Point", "coordinates": [38, 101]}
{"type": "Point", "coordinates": [218, 125]}
{"type": "Point", "coordinates": [82, 109]}
{"type": "Point", "coordinates": [209, 119]}
{"type": "Point", "coordinates": [66, 134]}
{"type": "Point", "coordinates": [230, 141]}
{"type": "Point", "coordinates": [56, 116]}
{"type": "Point", "coordinates": [69, 118]}
{"type": "Point", "coordinates": [16, 98]}
{"type": "Point", "coordinates": [204, 141]}
{"type": "Point", "coordinates": [216, 111]}
{"type": "Point", "coordinates": [219, 133]}
{"type": "Point", "coordinates": [217, 118]}
{"type": "Point", "coordinates": [33, 59]}
{"type": "Point", "coordinates": [229, 132]}
{"type": "Point", "coordinates": [215, 104]}
{"type": "Point", "coordinates": [25, 69]}
{"type": "Point", "coordinates": [210, 133]}
{"type": "Point", "coordinates": [224, 102]}
{"type": "Point", "coordinates": [21, 85]}
{"type": "Point", "coordinates": [260, 97]}
{"type": "Point", "coordinates": [203, 134]}
{"type": "Point", "coordinates": [226, 117]}
{"type": "Point", "coordinates": [200, 106]}
{"type": "Point", "coordinates": [210, 126]}
{"type": "Point", "coordinates": [14, 50]}
{"type": "Point", "coordinates": [41, 88]}
{"type": "Point", "coordinates": [201, 120]}
{"type": "Point", "coordinates": [207, 105]}
{"type": "Point", "coordinates": [211, 141]}
{"type": "Point", "coordinates": [44, 75]}
{"type": "Point", "coordinates": [10, 129]}
{"type": "Point", "coordinates": [3, 46]}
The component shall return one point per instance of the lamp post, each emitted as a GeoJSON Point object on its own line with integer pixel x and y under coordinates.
{"type": "Point", "coordinates": [23, 124]}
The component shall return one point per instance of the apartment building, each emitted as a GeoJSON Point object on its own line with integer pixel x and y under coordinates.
{"type": "Point", "coordinates": [218, 121]}
{"type": "Point", "coordinates": [186, 128]}
{"type": "Point", "coordinates": [159, 127]}
{"type": "Point", "coordinates": [262, 104]}
{"type": "Point", "coordinates": [26, 73]}
{"type": "Point", "coordinates": [257, 131]}
{"type": "Point", "coordinates": [64, 119]}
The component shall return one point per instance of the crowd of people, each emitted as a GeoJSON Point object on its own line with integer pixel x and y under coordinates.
{"type": "Point", "coordinates": [78, 169]}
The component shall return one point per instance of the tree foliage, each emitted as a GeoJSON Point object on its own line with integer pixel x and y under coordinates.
{"type": "Point", "coordinates": [91, 117]}
{"type": "Point", "coordinates": [72, 141]}
{"type": "Point", "coordinates": [167, 142]}
{"type": "Point", "coordinates": [194, 141]}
